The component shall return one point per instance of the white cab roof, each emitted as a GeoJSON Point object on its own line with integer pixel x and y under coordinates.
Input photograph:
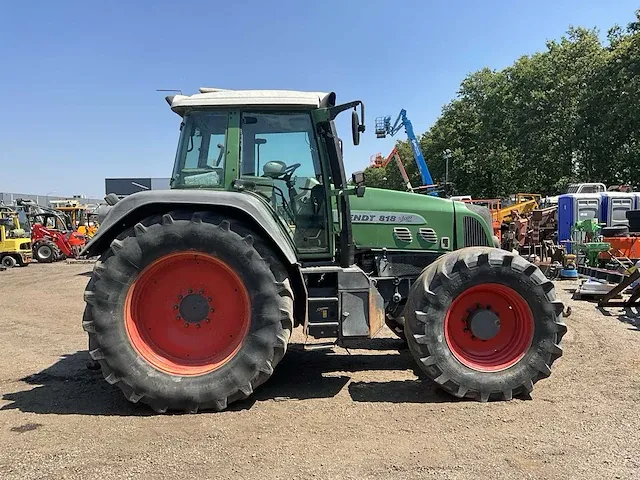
{"type": "Point", "coordinates": [216, 97]}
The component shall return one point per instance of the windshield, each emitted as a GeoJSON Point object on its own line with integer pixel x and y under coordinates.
{"type": "Point", "coordinates": [200, 158]}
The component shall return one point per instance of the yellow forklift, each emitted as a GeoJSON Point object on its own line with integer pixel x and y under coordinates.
{"type": "Point", "coordinates": [15, 242]}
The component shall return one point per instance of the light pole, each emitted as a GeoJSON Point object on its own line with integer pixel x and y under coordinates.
{"type": "Point", "coordinates": [447, 156]}
{"type": "Point", "coordinates": [47, 198]}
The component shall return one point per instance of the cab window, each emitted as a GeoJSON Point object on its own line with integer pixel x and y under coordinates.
{"type": "Point", "coordinates": [279, 151]}
{"type": "Point", "coordinates": [200, 159]}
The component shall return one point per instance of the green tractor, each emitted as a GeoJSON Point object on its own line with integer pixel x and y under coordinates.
{"type": "Point", "coordinates": [198, 288]}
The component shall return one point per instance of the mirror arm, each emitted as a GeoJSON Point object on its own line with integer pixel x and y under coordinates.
{"type": "Point", "coordinates": [357, 191]}
{"type": "Point", "coordinates": [338, 109]}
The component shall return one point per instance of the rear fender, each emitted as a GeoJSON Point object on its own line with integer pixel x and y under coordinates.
{"type": "Point", "coordinates": [134, 208]}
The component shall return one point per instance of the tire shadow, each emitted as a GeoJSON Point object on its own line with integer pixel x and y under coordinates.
{"type": "Point", "coordinates": [400, 391]}
{"type": "Point", "coordinates": [68, 387]}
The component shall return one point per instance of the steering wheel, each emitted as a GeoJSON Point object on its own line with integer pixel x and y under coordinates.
{"type": "Point", "coordinates": [290, 169]}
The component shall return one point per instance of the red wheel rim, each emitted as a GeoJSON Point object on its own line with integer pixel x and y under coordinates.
{"type": "Point", "coordinates": [489, 327]}
{"type": "Point", "coordinates": [187, 313]}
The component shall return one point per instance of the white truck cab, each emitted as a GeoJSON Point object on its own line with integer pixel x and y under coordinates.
{"type": "Point", "coordinates": [575, 188]}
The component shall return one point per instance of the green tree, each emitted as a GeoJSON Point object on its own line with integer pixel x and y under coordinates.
{"type": "Point", "coordinates": [558, 116]}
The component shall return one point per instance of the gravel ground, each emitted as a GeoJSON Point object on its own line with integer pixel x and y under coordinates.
{"type": "Point", "coordinates": [358, 414]}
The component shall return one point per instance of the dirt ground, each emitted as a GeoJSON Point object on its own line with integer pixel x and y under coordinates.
{"type": "Point", "coordinates": [358, 414]}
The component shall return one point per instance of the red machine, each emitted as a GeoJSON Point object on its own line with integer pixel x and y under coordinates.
{"type": "Point", "coordinates": [50, 245]}
{"type": "Point", "coordinates": [52, 235]}
{"type": "Point", "coordinates": [378, 161]}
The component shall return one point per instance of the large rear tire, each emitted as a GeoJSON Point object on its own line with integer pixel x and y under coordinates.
{"type": "Point", "coordinates": [484, 323]}
{"type": "Point", "coordinates": [188, 312]}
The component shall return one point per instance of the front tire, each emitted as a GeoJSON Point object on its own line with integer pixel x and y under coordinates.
{"type": "Point", "coordinates": [8, 261]}
{"type": "Point", "coordinates": [484, 323]}
{"type": "Point", "coordinates": [45, 252]}
{"type": "Point", "coordinates": [188, 312]}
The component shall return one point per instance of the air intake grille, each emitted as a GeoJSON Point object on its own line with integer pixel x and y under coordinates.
{"type": "Point", "coordinates": [403, 234]}
{"type": "Point", "coordinates": [474, 235]}
{"type": "Point", "coordinates": [428, 235]}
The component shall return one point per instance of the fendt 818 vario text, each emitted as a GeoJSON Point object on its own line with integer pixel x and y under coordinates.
{"type": "Point", "coordinates": [198, 288]}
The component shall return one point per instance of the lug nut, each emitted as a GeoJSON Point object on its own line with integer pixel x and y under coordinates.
{"type": "Point", "coordinates": [186, 324]}
{"type": "Point", "coordinates": [190, 290]}
{"type": "Point", "coordinates": [197, 325]}
{"type": "Point", "coordinates": [212, 309]}
{"type": "Point", "coordinates": [175, 307]}
{"type": "Point", "coordinates": [207, 320]}
{"type": "Point", "coordinates": [201, 291]}
{"type": "Point", "coordinates": [178, 317]}
{"type": "Point", "coordinates": [208, 299]}
{"type": "Point", "coordinates": [180, 297]}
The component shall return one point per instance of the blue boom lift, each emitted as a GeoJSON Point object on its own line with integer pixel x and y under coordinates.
{"type": "Point", "coordinates": [384, 128]}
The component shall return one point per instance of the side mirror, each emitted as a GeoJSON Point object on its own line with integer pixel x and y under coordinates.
{"type": "Point", "coordinates": [355, 123]}
{"type": "Point", "coordinates": [358, 178]}
{"type": "Point", "coordinates": [356, 127]}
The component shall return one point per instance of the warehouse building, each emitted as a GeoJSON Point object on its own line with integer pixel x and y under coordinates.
{"type": "Point", "coordinates": [126, 186]}
{"type": "Point", "coordinates": [9, 198]}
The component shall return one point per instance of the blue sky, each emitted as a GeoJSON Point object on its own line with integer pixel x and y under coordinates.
{"type": "Point", "coordinates": [79, 78]}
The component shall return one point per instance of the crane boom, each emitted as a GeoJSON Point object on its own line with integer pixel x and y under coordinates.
{"type": "Point", "coordinates": [384, 128]}
{"type": "Point", "coordinates": [394, 155]}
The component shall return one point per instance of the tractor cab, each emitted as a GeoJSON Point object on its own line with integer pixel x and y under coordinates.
{"type": "Point", "coordinates": [279, 150]}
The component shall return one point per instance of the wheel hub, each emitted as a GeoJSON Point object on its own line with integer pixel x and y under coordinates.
{"type": "Point", "coordinates": [484, 324]}
{"type": "Point", "coordinates": [489, 327]}
{"type": "Point", "coordinates": [170, 315]}
{"type": "Point", "coordinates": [194, 308]}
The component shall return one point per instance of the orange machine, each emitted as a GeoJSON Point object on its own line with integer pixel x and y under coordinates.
{"type": "Point", "coordinates": [628, 247]}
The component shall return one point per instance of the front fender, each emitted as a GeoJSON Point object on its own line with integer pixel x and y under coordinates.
{"type": "Point", "coordinates": [133, 208]}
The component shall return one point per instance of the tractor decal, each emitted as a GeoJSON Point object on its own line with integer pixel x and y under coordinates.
{"type": "Point", "coordinates": [395, 218]}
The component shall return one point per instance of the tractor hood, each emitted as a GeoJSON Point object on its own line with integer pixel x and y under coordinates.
{"type": "Point", "coordinates": [410, 221]}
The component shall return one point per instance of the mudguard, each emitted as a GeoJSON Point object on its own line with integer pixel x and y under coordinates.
{"type": "Point", "coordinates": [133, 208]}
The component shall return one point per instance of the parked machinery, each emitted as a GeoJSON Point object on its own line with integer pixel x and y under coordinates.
{"type": "Point", "coordinates": [15, 245]}
{"type": "Point", "coordinates": [52, 235]}
{"type": "Point", "coordinates": [198, 288]}
{"type": "Point", "coordinates": [378, 161]}
{"type": "Point", "coordinates": [384, 127]}
{"type": "Point", "coordinates": [81, 215]}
